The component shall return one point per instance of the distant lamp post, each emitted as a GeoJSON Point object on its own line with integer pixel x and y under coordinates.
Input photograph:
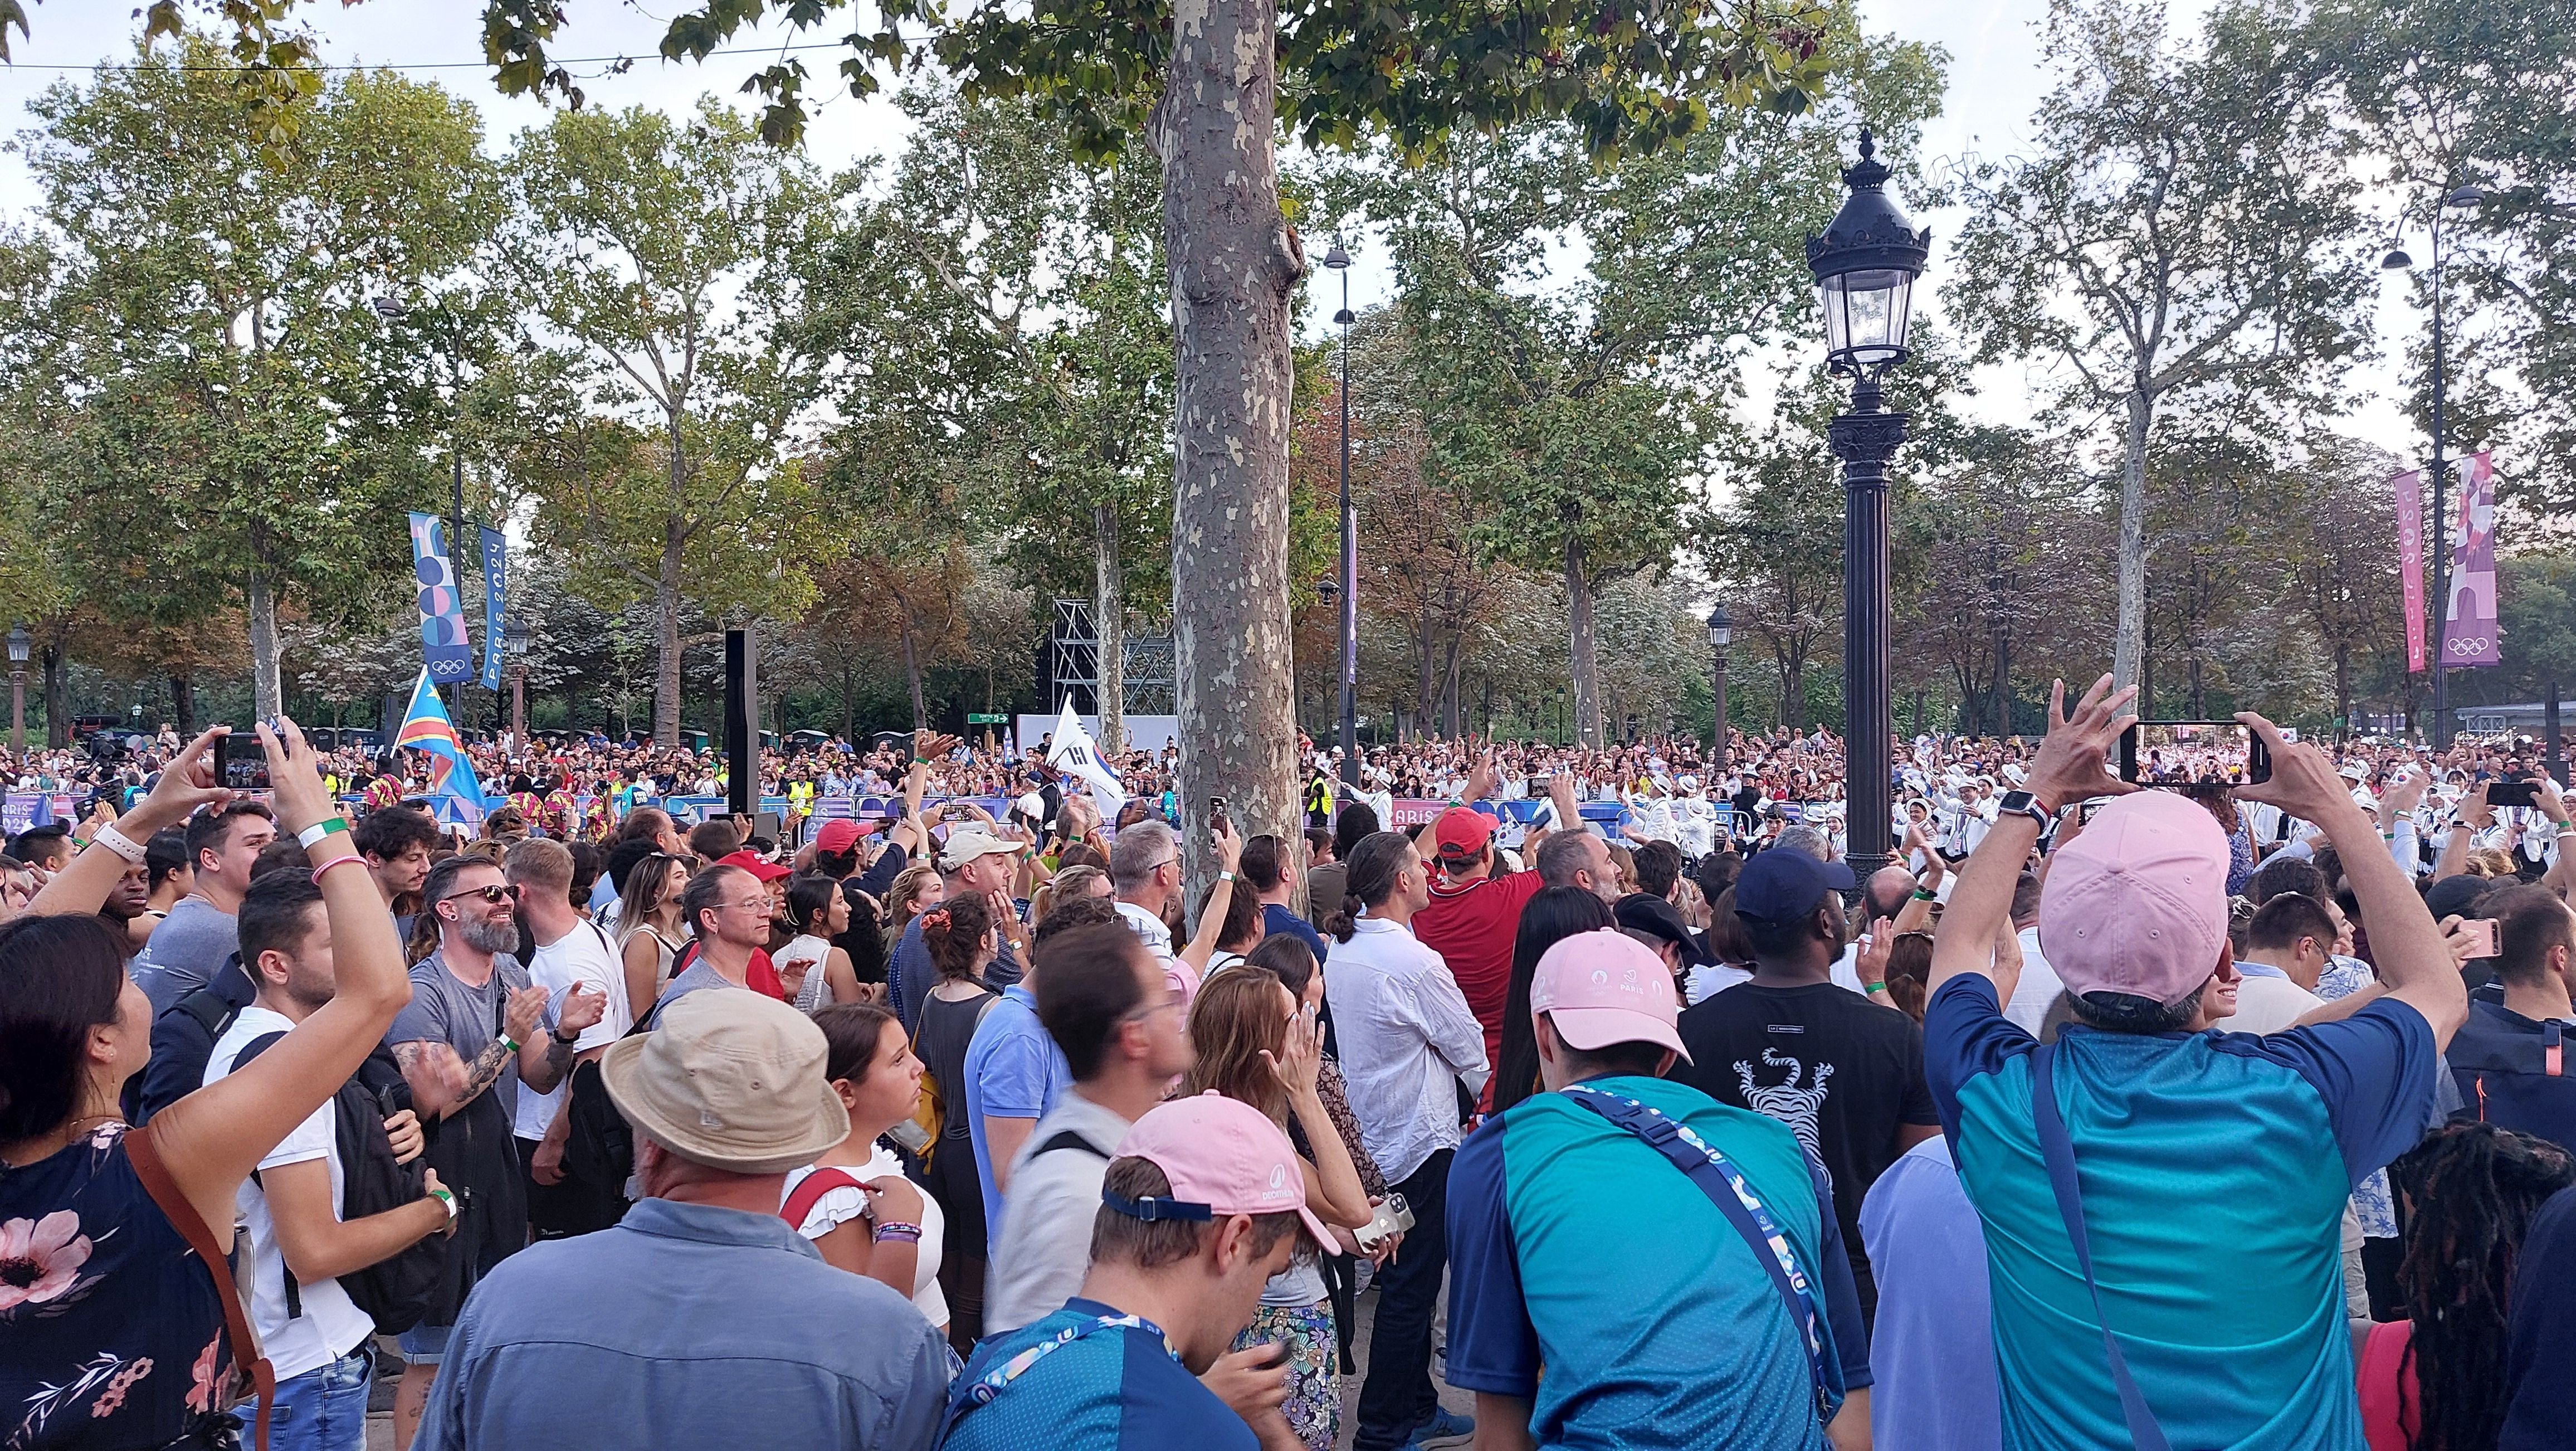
{"type": "Point", "coordinates": [2398, 261]}
{"type": "Point", "coordinates": [1721, 633]}
{"type": "Point", "coordinates": [1339, 260]}
{"type": "Point", "coordinates": [19, 644]}
{"type": "Point", "coordinates": [515, 636]}
{"type": "Point", "coordinates": [1865, 265]}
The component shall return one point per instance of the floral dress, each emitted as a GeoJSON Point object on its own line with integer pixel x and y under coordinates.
{"type": "Point", "coordinates": [111, 1335]}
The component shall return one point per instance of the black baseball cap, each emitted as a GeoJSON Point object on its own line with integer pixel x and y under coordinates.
{"type": "Point", "coordinates": [1657, 918]}
{"type": "Point", "coordinates": [1786, 885]}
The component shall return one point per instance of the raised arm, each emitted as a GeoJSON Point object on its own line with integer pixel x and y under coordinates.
{"type": "Point", "coordinates": [2472, 815]}
{"type": "Point", "coordinates": [2407, 948]}
{"type": "Point", "coordinates": [1202, 944]}
{"type": "Point", "coordinates": [2073, 766]}
{"type": "Point", "coordinates": [212, 1138]}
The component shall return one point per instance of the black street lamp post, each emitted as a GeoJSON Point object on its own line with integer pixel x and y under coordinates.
{"type": "Point", "coordinates": [2397, 260]}
{"type": "Point", "coordinates": [1865, 266]}
{"type": "Point", "coordinates": [1339, 261]}
{"type": "Point", "coordinates": [20, 645]}
{"type": "Point", "coordinates": [1721, 633]}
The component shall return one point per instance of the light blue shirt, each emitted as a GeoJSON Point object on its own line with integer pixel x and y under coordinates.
{"type": "Point", "coordinates": [1932, 1350]}
{"type": "Point", "coordinates": [686, 1325]}
{"type": "Point", "coordinates": [1013, 1070]}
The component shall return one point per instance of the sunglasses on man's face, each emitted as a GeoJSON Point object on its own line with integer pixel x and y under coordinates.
{"type": "Point", "coordinates": [492, 896]}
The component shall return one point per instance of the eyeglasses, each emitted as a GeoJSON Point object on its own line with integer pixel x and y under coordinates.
{"type": "Point", "coordinates": [492, 896]}
{"type": "Point", "coordinates": [1144, 1013]}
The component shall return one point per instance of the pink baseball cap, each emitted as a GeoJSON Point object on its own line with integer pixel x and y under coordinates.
{"type": "Point", "coordinates": [1222, 1157]}
{"type": "Point", "coordinates": [1606, 987]}
{"type": "Point", "coordinates": [2138, 903]}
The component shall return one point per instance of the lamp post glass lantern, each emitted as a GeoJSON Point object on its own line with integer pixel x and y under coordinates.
{"type": "Point", "coordinates": [1865, 265]}
{"type": "Point", "coordinates": [19, 646]}
{"type": "Point", "coordinates": [1348, 732]}
{"type": "Point", "coordinates": [1721, 633]}
{"type": "Point", "coordinates": [514, 635]}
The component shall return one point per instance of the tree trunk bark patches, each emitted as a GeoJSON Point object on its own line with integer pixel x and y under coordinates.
{"type": "Point", "coordinates": [1233, 266]}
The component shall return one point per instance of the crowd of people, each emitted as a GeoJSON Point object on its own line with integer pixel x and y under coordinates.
{"type": "Point", "coordinates": [2224, 1115]}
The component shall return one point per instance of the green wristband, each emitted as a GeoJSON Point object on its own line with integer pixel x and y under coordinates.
{"type": "Point", "coordinates": [1877, 987]}
{"type": "Point", "coordinates": [318, 830]}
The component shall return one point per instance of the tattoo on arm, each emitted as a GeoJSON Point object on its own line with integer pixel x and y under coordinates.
{"type": "Point", "coordinates": [482, 1073]}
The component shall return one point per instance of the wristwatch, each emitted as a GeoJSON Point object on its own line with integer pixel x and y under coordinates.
{"type": "Point", "coordinates": [2022, 803]}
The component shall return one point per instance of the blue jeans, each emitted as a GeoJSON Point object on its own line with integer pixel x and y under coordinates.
{"type": "Point", "coordinates": [321, 1410]}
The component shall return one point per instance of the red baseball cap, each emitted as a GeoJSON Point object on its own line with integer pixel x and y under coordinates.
{"type": "Point", "coordinates": [766, 871]}
{"type": "Point", "coordinates": [837, 835]}
{"type": "Point", "coordinates": [1461, 832]}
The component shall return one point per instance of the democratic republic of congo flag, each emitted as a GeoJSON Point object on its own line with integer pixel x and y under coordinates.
{"type": "Point", "coordinates": [455, 796]}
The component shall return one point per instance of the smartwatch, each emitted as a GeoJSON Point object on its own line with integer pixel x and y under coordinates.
{"type": "Point", "coordinates": [2022, 803]}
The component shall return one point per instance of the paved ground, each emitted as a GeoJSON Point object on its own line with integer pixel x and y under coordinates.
{"type": "Point", "coordinates": [380, 1421]}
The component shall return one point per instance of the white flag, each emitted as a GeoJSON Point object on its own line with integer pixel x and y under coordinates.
{"type": "Point", "coordinates": [1074, 753]}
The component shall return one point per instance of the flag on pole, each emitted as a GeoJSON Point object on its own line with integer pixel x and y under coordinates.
{"type": "Point", "coordinates": [455, 795]}
{"type": "Point", "coordinates": [495, 575]}
{"type": "Point", "coordinates": [2409, 490]}
{"type": "Point", "coordinates": [2469, 635]}
{"type": "Point", "coordinates": [1074, 753]}
{"type": "Point", "coordinates": [443, 648]}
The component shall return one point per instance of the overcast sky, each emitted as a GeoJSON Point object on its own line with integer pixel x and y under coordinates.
{"type": "Point", "coordinates": [1994, 84]}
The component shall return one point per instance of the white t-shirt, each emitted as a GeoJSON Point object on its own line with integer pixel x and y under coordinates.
{"type": "Point", "coordinates": [813, 992]}
{"type": "Point", "coordinates": [579, 956]}
{"type": "Point", "coordinates": [839, 1206]}
{"type": "Point", "coordinates": [2039, 987]}
{"type": "Point", "coordinates": [2268, 1004]}
{"type": "Point", "coordinates": [331, 1326]}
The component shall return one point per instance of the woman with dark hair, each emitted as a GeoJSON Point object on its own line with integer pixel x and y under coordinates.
{"type": "Point", "coordinates": [959, 937]}
{"type": "Point", "coordinates": [116, 1292]}
{"type": "Point", "coordinates": [1258, 1044]}
{"type": "Point", "coordinates": [1238, 931]}
{"type": "Point", "coordinates": [1909, 971]}
{"type": "Point", "coordinates": [1553, 914]}
{"type": "Point", "coordinates": [2435, 1381]}
{"type": "Point", "coordinates": [862, 1213]}
{"type": "Point", "coordinates": [817, 912]}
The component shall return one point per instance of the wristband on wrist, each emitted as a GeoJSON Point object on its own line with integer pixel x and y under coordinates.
{"type": "Point", "coordinates": [337, 861]}
{"type": "Point", "coordinates": [560, 1038]}
{"type": "Point", "coordinates": [119, 843]}
{"type": "Point", "coordinates": [446, 1200]}
{"type": "Point", "coordinates": [895, 1229]}
{"type": "Point", "coordinates": [1921, 895]}
{"type": "Point", "coordinates": [509, 1043]}
{"type": "Point", "coordinates": [1877, 987]}
{"type": "Point", "coordinates": [318, 830]}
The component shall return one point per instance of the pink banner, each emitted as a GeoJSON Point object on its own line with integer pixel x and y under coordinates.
{"type": "Point", "coordinates": [2469, 624]}
{"type": "Point", "coordinates": [2409, 489]}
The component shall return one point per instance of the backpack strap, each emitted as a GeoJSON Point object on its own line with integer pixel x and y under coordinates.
{"type": "Point", "coordinates": [294, 1291]}
{"type": "Point", "coordinates": [2058, 1149]}
{"type": "Point", "coordinates": [211, 1010]}
{"type": "Point", "coordinates": [183, 1216]}
{"type": "Point", "coordinates": [1726, 1188]}
{"type": "Point", "coordinates": [1068, 1139]}
{"type": "Point", "coordinates": [812, 1188]}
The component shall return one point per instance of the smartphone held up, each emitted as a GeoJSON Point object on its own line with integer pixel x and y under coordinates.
{"type": "Point", "coordinates": [2173, 753]}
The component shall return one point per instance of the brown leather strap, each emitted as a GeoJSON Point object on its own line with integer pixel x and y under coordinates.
{"type": "Point", "coordinates": [175, 1207]}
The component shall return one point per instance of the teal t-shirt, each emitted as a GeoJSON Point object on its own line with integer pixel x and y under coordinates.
{"type": "Point", "coordinates": [2214, 1169]}
{"type": "Point", "coordinates": [1590, 1274]}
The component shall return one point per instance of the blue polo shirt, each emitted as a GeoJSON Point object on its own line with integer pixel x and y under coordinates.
{"type": "Point", "coordinates": [2214, 1167]}
{"type": "Point", "coordinates": [1013, 1070]}
{"type": "Point", "coordinates": [1118, 1389]}
{"type": "Point", "coordinates": [1575, 1247]}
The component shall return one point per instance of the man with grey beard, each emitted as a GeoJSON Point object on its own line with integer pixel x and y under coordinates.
{"type": "Point", "coordinates": [475, 1030]}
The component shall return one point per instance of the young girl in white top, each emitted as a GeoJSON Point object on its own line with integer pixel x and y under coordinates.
{"type": "Point", "coordinates": [881, 1225]}
{"type": "Point", "coordinates": [650, 932]}
{"type": "Point", "coordinates": [820, 970]}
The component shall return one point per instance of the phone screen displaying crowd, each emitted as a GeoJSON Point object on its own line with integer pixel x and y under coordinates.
{"type": "Point", "coordinates": [2192, 753]}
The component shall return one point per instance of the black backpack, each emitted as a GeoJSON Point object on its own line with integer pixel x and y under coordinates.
{"type": "Point", "coordinates": [395, 1292]}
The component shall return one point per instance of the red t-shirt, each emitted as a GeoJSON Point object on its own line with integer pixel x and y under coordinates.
{"type": "Point", "coordinates": [1471, 926]}
{"type": "Point", "coordinates": [763, 976]}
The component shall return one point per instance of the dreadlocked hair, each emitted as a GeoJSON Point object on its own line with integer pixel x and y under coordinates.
{"type": "Point", "coordinates": [2471, 1190]}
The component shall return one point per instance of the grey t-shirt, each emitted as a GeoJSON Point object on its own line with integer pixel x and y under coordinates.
{"type": "Point", "coordinates": [697, 975]}
{"type": "Point", "coordinates": [183, 952]}
{"type": "Point", "coordinates": [445, 1010]}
